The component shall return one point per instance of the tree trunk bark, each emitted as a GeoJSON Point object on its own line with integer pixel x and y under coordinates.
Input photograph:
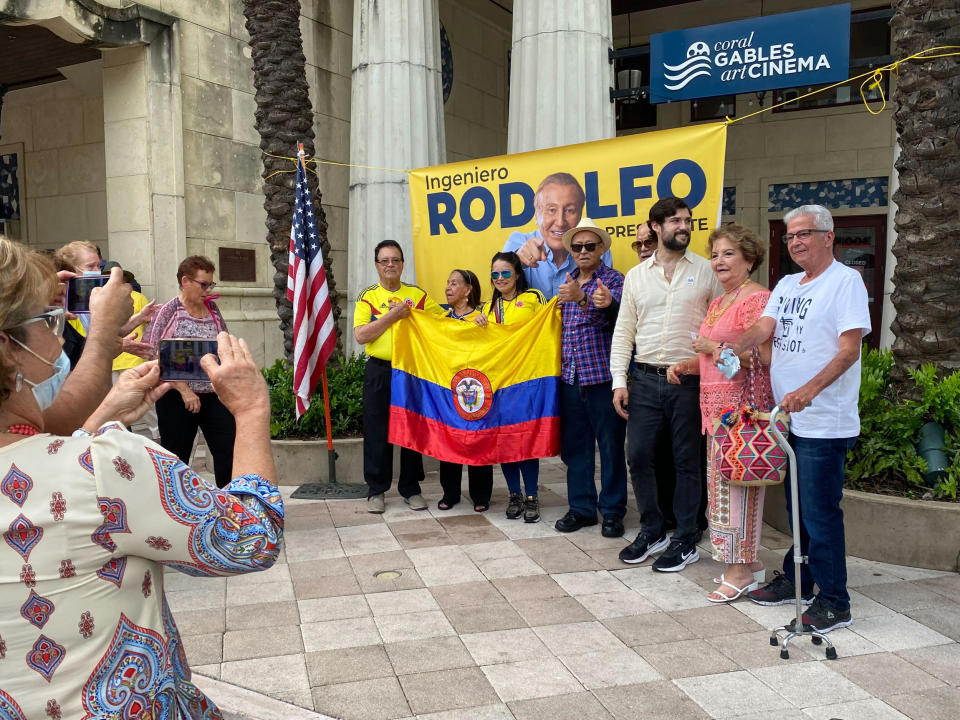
{"type": "Point", "coordinates": [927, 247]}
{"type": "Point", "coordinates": [284, 116]}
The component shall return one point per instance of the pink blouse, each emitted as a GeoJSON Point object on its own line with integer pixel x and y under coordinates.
{"type": "Point", "coordinates": [716, 391]}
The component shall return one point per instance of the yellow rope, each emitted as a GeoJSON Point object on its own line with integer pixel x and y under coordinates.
{"type": "Point", "coordinates": [871, 78]}
{"type": "Point", "coordinates": [317, 161]}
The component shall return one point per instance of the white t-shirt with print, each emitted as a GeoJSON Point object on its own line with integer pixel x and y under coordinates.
{"type": "Point", "coordinates": [810, 318]}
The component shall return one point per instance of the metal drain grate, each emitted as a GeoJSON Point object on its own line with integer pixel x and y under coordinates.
{"type": "Point", "coordinates": [330, 491]}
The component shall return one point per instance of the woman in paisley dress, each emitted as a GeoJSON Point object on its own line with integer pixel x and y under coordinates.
{"type": "Point", "coordinates": [193, 314]}
{"type": "Point", "coordinates": [735, 513]}
{"type": "Point", "coordinates": [90, 521]}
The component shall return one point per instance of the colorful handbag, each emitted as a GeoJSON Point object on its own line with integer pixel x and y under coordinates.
{"type": "Point", "coordinates": [745, 452]}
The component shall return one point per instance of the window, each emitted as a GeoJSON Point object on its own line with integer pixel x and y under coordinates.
{"type": "Point", "coordinates": [713, 108]}
{"type": "Point", "coordinates": [639, 113]}
{"type": "Point", "coordinates": [869, 48]}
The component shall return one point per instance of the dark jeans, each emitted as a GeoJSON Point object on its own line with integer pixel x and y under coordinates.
{"type": "Point", "coordinates": [667, 481]}
{"type": "Point", "coordinates": [588, 419]}
{"type": "Point", "coordinates": [479, 478]}
{"type": "Point", "coordinates": [820, 484]}
{"type": "Point", "coordinates": [531, 475]}
{"type": "Point", "coordinates": [178, 429]}
{"type": "Point", "coordinates": [377, 450]}
{"type": "Point", "coordinates": [654, 404]}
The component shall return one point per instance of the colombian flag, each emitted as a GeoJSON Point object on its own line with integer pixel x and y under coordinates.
{"type": "Point", "coordinates": [477, 395]}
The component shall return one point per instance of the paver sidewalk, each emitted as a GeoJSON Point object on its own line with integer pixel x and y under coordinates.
{"type": "Point", "coordinates": [456, 614]}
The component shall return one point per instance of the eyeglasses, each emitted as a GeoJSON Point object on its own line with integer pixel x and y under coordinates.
{"type": "Point", "coordinates": [649, 243]}
{"type": "Point", "coordinates": [801, 234]}
{"type": "Point", "coordinates": [53, 318]}
{"type": "Point", "coordinates": [577, 248]}
{"type": "Point", "coordinates": [390, 261]}
{"type": "Point", "coordinates": [203, 286]}
{"type": "Point", "coordinates": [505, 274]}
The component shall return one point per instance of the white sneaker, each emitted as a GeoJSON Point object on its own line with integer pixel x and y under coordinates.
{"type": "Point", "coordinates": [376, 503]}
{"type": "Point", "coordinates": [416, 502]}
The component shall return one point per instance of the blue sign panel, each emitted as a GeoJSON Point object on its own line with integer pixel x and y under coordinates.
{"type": "Point", "coordinates": [799, 48]}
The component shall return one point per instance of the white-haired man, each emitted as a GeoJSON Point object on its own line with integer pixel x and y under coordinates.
{"type": "Point", "coordinates": [818, 318]}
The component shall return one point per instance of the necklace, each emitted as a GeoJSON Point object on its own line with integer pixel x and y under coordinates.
{"type": "Point", "coordinates": [23, 429]}
{"type": "Point", "coordinates": [715, 313]}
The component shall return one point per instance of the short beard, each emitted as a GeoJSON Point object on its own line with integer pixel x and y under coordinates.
{"type": "Point", "coordinates": [672, 243]}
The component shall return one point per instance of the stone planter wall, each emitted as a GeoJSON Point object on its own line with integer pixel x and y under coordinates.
{"type": "Point", "coordinates": [918, 533]}
{"type": "Point", "coordinates": [303, 461]}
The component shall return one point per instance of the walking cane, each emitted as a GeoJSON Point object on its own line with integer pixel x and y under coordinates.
{"type": "Point", "coordinates": [799, 559]}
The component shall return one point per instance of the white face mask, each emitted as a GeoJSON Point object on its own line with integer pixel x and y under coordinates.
{"type": "Point", "coordinates": [45, 391]}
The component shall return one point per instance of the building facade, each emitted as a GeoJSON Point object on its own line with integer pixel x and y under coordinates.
{"type": "Point", "coordinates": [131, 124]}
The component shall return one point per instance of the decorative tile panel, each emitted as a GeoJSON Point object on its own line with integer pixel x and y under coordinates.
{"type": "Point", "coordinates": [832, 194]}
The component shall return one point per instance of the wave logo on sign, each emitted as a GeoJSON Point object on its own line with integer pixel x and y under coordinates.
{"type": "Point", "coordinates": [696, 65]}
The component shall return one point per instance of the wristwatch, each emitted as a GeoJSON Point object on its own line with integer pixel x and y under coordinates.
{"type": "Point", "coordinates": [582, 302]}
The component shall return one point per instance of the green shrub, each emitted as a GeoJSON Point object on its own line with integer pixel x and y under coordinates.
{"type": "Point", "coordinates": [885, 457]}
{"type": "Point", "coordinates": [345, 380]}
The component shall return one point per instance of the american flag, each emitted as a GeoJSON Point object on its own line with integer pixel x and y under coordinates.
{"type": "Point", "coordinates": [314, 338]}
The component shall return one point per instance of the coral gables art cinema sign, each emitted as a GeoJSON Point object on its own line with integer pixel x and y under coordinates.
{"type": "Point", "coordinates": [798, 48]}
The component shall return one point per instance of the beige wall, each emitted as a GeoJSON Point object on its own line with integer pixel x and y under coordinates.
{"type": "Point", "coordinates": [475, 114]}
{"type": "Point", "coordinates": [60, 128]}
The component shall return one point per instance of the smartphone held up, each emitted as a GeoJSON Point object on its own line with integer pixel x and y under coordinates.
{"type": "Point", "coordinates": [180, 358]}
{"type": "Point", "coordinates": [79, 290]}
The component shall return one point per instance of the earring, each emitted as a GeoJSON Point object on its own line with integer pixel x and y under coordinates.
{"type": "Point", "coordinates": [18, 381]}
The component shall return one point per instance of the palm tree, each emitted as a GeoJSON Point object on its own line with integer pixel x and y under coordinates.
{"type": "Point", "coordinates": [284, 117]}
{"type": "Point", "coordinates": [927, 247]}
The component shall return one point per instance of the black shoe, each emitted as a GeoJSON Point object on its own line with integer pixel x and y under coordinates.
{"type": "Point", "coordinates": [514, 506]}
{"type": "Point", "coordinates": [612, 526]}
{"type": "Point", "coordinates": [531, 509]}
{"type": "Point", "coordinates": [571, 522]}
{"type": "Point", "coordinates": [779, 591]}
{"type": "Point", "coordinates": [677, 557]}
{"type": "Point", "coordinates": [642, 548]}
{"type": "Point", "coordinates": [823, 618]}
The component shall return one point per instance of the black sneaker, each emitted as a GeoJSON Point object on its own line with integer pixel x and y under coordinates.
{"type": "Point", "coordinates": [779, 591]}
{"type": "Point", "coordinates": [677, 557]}
{"type": "Point", "coordinates": [642, 548]}
{"type": "Point", "coordinates": [531, 509]}
{"type": "Point", "coordinates": [823, 618]}
{"type": "Point", "coordinates": [514, 506]}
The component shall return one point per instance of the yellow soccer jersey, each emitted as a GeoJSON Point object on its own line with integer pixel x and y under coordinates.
{"type": "Point", "coordinates": [507, 312]}
{"type": "Point", "coordinates": [375, 301]}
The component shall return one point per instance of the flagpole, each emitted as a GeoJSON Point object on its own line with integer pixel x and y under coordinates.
{"type": "Point", "coordinates": [331, 453]}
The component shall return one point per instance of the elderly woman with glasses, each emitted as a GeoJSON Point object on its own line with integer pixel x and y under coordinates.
{"type": "Point", "coordinates": [90, 521]}
{"type": "Point", "coordinates": [193, 314]}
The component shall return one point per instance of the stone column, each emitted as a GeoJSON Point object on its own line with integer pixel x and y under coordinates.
{"type": "Point", "coordinates": [144, 161]}
{"type": "Point", "coordinates": [396, 121]}
{"type": "Point", "coordinates": [560, 75]}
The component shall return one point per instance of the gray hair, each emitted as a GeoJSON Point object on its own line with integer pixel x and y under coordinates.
{"type": "Point", "coordinates": [822, 219]}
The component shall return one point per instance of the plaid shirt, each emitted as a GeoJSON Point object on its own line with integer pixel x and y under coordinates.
{"type": "Point", "coordinates": [587, 332]}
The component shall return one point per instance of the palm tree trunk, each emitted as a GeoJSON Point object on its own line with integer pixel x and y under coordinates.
{"type": "Point", "coordinates": [284, 117]}
{"type": "Point", "coordinates": [927, 247]}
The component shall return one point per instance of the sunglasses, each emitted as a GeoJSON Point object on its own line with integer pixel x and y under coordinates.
{"type": "Point", "coordinates": [578, 248]}
{"type": "Point", "coordinates": [646, 243]}
{"type": "Point", "coordinates": [203, 286]}
{"type": "Point", "coordinates": [53, 318]}
{"type": "Point", "coordinates": [505, 274]}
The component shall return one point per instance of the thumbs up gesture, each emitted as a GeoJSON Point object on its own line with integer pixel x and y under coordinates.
{"type": "Point", "coordinates": [602, 296]}
{"type": "Point", "coordinates": [569, 291]}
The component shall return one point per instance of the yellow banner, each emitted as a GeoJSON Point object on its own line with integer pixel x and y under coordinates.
{"type": "Point", "coordinates": [465, 212]}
